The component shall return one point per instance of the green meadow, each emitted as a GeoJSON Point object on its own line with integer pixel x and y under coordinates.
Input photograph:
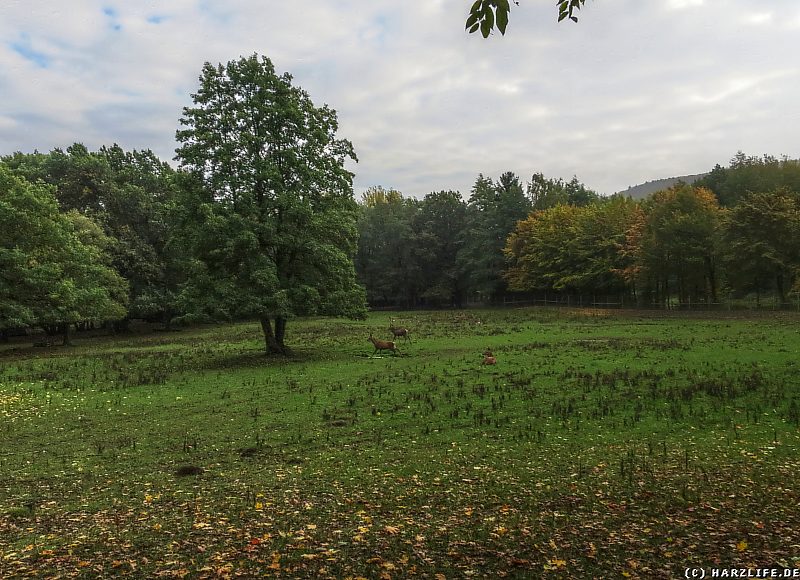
{"type": "Point", "coordinates": [601, 444]}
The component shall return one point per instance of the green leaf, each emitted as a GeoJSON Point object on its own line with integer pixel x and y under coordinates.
{"type": "Point", "coordinates": [502, 20]}
{"type": "Point", "coordinates": [488, 22]}
{"type": "Point", "coordinates": [475, 27]}
{"type": "Point", "coordinates": [473, 21]}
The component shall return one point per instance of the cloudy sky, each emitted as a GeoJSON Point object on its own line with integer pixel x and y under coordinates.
{"type": "Point", "coordinates": [637, 90]}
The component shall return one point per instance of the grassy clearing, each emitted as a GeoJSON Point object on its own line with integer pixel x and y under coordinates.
{"type": "Point", "coordinates": [601, 444]}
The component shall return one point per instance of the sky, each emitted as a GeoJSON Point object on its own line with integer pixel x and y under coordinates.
{"type": "Point", "coordinates": [635, 91]}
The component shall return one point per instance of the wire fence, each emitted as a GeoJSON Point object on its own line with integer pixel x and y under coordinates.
{"type": "Point", "coordinates": [579, 301]}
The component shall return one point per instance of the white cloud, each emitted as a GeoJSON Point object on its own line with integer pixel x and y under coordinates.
{"type": "Point", "coordinates": [759, 18]}
{"type": "Point", "coordinates": [681, 4]}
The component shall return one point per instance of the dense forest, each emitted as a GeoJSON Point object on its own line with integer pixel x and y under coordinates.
{"type": "Point", "coordinates": [100, 237]}
{"type": "Point", "coordinates": [734, 233]}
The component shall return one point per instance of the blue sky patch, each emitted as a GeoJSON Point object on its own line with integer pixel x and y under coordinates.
{"type": "Point", "coordinates": [113, 15]}
{"type": "Point", "coordinates": [23, 48]}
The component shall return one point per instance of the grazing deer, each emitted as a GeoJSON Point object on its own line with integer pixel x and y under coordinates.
{"type": "Point", "coordinates": [488, 358]}
{"type": "Point", "coordinates": [382, 345]}
{"type": "Point", "coordinates": [398, 331]}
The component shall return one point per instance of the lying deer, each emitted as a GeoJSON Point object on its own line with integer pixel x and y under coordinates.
{"type": "Point", "coordinates": [381, 345]}
{"type": "Point", "coordinates": [398, 331]}
{"type": "Point", "coordinates": [489, 358]}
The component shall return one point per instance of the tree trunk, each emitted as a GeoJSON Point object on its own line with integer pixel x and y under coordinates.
{"type": "Point", "coordinates": [780, 287]}
{"type": "Point", "coordinates": [65, 327]}
{"type": "Point", "coordinates": [711, 272]}
{"type": "Point", "coordinates": [273, 341]}
{"type": "Point", "coordinates": [280, 332]}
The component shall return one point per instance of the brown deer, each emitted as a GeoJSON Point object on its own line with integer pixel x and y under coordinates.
{"type": "Point", "coordinates": [398, 331]}
{"type": "Point", "coordinates": [488, 358]}
{"type": "Point", "coordinates": [381, 345]}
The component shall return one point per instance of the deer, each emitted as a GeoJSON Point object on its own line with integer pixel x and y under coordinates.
{"type": "Point", "coordinates": [398, 331]}
{"type": "Point", "coordinates": [489, 358]}
{"type": "Point", "coordinates": [381, 345]}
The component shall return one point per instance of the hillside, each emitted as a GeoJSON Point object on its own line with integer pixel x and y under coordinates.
{"type": "Point", "coordinates": [643, 190]}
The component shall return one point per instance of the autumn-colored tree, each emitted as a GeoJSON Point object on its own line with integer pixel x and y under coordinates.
{"type": "Point", "coordinates": [571, 249]}
{"type": "Point", "coordinates": [630, 249]}
{"type": "Point", "coordinates": [538, 251]}
{"type": "Point", "coordinates": [677, 251]}
{"type": "Point", "coordinates": [377, 195]}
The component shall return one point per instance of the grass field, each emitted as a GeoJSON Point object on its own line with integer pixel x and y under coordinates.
{"type": "Point", "coordinates": [602, 444]}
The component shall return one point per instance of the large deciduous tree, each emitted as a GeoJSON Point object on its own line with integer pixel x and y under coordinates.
{"type": "Point", "coordinates": [54, 270]}
{"type": "Point", "coordinates": [572, 249]}
{"type": "Point", "coordinates": [272, 219]}
{"type": "Point", "coordinates": [538, 250]}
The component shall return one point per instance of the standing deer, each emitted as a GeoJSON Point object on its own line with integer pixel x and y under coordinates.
{"type": "Point", "coordinates": [381, 345]}
{"type": "Point", "coordinates": [398, 331]}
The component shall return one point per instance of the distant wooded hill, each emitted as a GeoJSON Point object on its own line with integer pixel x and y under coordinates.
{"type": "Point", "coordinates": [643, 190]}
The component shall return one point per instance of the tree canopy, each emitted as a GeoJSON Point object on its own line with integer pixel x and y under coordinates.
{"type": "Point", "coordinates": [53, 267]}
{"type": "Point", "coordinates": [270, 220]}
{"type": "Point", "coordinates": [677, 245]}
{"type": "Point", "coordinates": [748, 174]}
{"type": "Point", "coordinates": [129, 195]}
{"type": "Point", "coordinates": [761, 241]}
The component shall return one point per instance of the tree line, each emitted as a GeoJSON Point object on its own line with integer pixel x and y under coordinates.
{"type": "Point", "coordinates": [444, 251]}
{"type": "Point", "coordinates": [734, 233]}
